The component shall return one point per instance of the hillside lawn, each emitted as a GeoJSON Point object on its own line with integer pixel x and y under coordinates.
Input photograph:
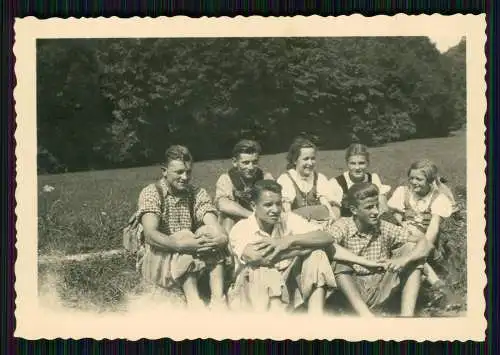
{"type": "Point", "coordinates": [85, 212]}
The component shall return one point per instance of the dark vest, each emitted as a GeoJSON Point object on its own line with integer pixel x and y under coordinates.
{"type": "Point", "coordinates": [242, 190]}
{"type": "Point", "coordinates": [344, 209]}
{"type": "Point", "coordinates": [305, 199]}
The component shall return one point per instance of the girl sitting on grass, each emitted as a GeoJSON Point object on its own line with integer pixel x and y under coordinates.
{"type": "Point", "coordinates": [305, 191]}
{"type": "Point", "coordinates": [420, 206]}
{"type": "Point", "coordinates": [357, 159]}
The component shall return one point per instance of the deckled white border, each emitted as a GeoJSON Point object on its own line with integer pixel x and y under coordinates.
{"type": "Point", "coordinates": [34, 322]}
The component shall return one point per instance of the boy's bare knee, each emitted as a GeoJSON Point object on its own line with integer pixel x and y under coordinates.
{"type": "Point", "coordinates": [318, 256]}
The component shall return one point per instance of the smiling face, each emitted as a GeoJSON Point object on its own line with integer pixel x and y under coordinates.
{"type": "Point", "coordinates": [247, 164]}
{"type": "Point", "coordinates": [418, 182]}
{"type": "Point", "coordinates": [367, 211]}
{"type": "Point", "coordinates": [268, 207]}
{"type": "Point", "coordinates": [177, 174]}
{"type": "Point", "coordinates": [306, 162]}
{"type": "Point", "coordinates": [357, 165]}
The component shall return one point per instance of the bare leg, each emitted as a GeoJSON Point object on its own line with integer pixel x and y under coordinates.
{"type": "Point", "coordinates": [190, 288]}
{"type": "Point", "coordinates": [410, 293]}
{"type": "Point", "coordinates": [260, 302]}
{"type": "Point", "coordinates": [275, 305]}
{"type": "Point", "coordinates": [316, 302]}
{"type": "Point", "coordinates": [346, 284]}
{"type": "Point", "coordinates": [430, 274]}
{"type": "Point", "coordinates": [217, 285]}
{"type": "Point", "coordinates": [227, 224]}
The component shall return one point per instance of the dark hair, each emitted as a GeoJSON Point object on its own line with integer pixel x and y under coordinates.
{"type": "Point", "coordinates": [357, 149]}
{"type": "Point", "coordinates": [178, 152]}
{"type": "Point", "coordinates": [294, 150]}
{"type": "Point", "coordinates": [359, 192]}
{"type": "Point", "coordinates": [246, 146]}
{"type": "Point", "coordinates": [265, 185]}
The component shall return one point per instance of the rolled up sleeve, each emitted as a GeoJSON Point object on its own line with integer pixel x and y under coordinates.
{"type": "Point", "coordinates": [149, 201]}
{"type": "Point", "coordinates": [325, 189]}
{"type": "Point", "coordinates": [442, 206]}
{"type": "Point", "coordinates": [338, 231]}
{"type": "Point", "coordinates": [299, 225]}
{"type": "Point", "coordinates": [336, 191]}
{"type": "Point", "coordinates": [224, 188]}
{"type": "Point", "coordinates": [397, 200]}
{"type": "Point", "coordinates": [239, 238]}
{"type": "Point", "coordinates": [203, 205]}
{"type": "Point", "coordinates": [288, 191]}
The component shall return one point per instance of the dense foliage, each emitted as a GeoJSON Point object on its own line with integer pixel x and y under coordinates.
{"type": "Point", "coordinates": [106, 103]}
{"type": "Point", "coordinates": [457, 60]}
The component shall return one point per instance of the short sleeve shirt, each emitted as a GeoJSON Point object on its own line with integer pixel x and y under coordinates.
{"type": "Point", "coordinates": [376, 245]}
{"type": "Point", "coordinates": [305, 185]}
{"type": "Point", "coordinates": [176, 213]}
{"type": "Point", "coordinates": [338, 193]}
{"type": "Point", "coordinates": [247, 231]}
{"type": "Point", "coordinates": [441, 205]}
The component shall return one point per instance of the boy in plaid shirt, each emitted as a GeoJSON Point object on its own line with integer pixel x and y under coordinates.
{"type": "Point", "coordinates": [183, 238]}
{"type": "Point", "coordinates": [366, 235]}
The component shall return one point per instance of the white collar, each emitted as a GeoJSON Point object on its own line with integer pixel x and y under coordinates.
{"type": "Point", "coordinates": [295, 175]}
{"type": "Point", "coordinates": [255, 228]}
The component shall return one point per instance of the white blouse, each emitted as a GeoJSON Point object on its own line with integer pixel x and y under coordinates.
{"type": "Point", "coordinates": [305, 184]}
{"type": "Point", "coordinates": [338, 193]}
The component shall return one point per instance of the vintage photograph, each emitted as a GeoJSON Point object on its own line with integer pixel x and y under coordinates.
{"type": "Point", "coordinates": [270, 175]}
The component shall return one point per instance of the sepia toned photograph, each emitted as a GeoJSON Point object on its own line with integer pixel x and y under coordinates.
{"type": "Point", "coordinates": [285, 177]}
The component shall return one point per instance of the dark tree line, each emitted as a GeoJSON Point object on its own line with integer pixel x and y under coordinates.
{"type": "Point", "coordinates": [106, 103]}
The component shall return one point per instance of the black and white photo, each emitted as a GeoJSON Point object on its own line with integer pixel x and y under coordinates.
{"type": "Point", "coordinates": [329, 174]}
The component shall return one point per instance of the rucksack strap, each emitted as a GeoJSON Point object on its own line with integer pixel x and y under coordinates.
{"type": "Point", "coordinates": [191, 202]}
{"type": "Point", "coordinates": [161, 196]}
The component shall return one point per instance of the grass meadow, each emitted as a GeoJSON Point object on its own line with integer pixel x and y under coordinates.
{"type": "Point", "coordinates": [85, 212]}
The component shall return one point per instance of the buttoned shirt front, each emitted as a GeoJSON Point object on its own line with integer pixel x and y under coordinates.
{"type": "Point", "coordinates": [176, 214]}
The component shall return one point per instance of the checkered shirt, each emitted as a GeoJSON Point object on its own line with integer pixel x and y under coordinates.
{"type": "Point", "coordinates": [373, 246]}
{"type": "Point", "coordinates": [176, 213]}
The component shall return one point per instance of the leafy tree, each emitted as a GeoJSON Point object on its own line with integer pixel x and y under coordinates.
{"type": "Point", "coordinates": [120, 102]}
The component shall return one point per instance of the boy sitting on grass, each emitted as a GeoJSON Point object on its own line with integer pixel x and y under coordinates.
{"type": "Point", "coordinates": [183, 239]}
{"type": "Point", "coordinates": [367, 236]}
{"type": "Point", "coordinates": [233, 189]}
{"type": "Point", "coordinates": [282, 260]}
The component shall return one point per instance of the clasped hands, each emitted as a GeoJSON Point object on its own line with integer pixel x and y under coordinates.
{"type": "Point", "coordinates": [392, 265]}
{"type": "Point", "coordinates": [205, 240]}
{"type": "Point", "coordinates": [267, 250]}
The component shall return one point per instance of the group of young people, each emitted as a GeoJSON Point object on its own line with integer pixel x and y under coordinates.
{"type": "Point", "coordinates": [294, 242]}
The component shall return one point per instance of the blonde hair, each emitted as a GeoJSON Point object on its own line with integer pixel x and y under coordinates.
{"type": "Point", "coordinates": [177, 152]}
{"type": "Point", "coordinates": [428, 168]}
{"type": "Point", "coordinates": [357, 149]}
